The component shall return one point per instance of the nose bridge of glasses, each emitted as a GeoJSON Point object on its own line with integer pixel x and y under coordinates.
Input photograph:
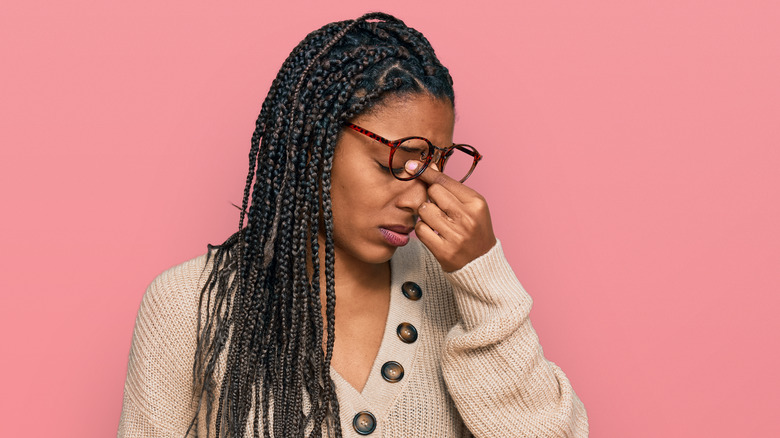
{"type": "Point", "coordinates": [438, 154]}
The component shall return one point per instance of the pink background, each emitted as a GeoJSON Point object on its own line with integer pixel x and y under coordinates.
{"type": "Point", "coordinates": [632, 167]}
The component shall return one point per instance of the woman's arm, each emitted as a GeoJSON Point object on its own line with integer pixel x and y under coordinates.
{"type": "Point", "coordinates": [493, 364]}
{"type": "Point", "coordinates": [158, 390]}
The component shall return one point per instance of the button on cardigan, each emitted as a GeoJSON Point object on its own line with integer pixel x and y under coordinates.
{"type": "Point", "coordinates": [475, 367]}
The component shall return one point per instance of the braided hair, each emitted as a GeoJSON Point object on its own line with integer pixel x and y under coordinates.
{"type": "Point", "coordinates": [261, 301]}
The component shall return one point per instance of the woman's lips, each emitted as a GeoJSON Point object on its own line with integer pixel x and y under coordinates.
{"type": "Point", "coordinates": [394, 236]}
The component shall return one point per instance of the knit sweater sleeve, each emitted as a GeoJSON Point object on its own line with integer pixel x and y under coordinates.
{"type": "Point", "coordinates": [493, 364]}
{"type": "Point", "coordinates": [158, 390]}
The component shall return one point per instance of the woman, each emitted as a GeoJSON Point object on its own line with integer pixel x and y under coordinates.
{"type": "Point", "coordinates": [430, 337]}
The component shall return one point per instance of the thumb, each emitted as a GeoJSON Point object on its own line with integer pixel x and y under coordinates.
{"type": "Point", "coordinates": [431, 175]}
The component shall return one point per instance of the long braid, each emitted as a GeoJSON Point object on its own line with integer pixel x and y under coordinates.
{"type": "Point", "coordinates": [262, 298]}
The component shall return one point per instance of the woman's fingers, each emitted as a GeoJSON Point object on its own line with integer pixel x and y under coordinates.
{"type": "Point", "coordinates": [428, 236]}
{"type": "Point", "coordinates": [432, 176]}
{"type": "Point", "coordinates": [444, 251]}
{"type": "Point", "coordinates": [446, 201]}
{"type": "Point", "coordinates": [437, 219]}
{"type": "Point", "coordinates": [456, 225]}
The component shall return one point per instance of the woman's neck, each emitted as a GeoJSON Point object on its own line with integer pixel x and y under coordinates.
{"type": "Point", "coordinates": [355, 278]}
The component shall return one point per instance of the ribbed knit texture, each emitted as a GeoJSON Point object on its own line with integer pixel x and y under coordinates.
{"type": "Point", "coordinates": [476, 367]}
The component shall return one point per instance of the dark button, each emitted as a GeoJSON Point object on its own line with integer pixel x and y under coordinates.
{"type": "Point", "coordinates": [392, 371]}
{"type": "Point", "coordinates": [364, 422]}
{"type": "Point", "coordinates": [407, 332]}
{"type": "Point", "coordinates": [411, 290]}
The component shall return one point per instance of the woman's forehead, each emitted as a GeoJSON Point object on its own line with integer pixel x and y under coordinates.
{"type": "Point", "coordinates": [414, 115]}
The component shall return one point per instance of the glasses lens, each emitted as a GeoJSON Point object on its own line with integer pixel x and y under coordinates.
{"type": "Point", "coordinates": [412, 149]}
{"type": "Point", "coordinates": [457, 164]}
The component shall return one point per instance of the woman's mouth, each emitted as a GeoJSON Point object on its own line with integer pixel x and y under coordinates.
{"type": "Point", "coordinates": [395, 238]}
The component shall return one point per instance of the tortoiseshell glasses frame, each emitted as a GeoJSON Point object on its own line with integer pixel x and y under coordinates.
{"type": "Point", "coordinates": [435, 154]}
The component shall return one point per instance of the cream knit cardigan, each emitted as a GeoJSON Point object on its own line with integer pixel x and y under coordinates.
{"type": "Point", "coordinates": [476, 367]}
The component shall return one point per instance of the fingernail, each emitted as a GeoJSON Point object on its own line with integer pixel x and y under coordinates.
{"type": "Point", "coordinates": [412, 165]}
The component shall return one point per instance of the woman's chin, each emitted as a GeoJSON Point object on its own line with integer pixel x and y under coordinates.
{"type": "Point", "coordinates": [380, 256]}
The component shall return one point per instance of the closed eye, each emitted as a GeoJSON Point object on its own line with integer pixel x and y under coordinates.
{"type": "Point", "coordinates": [387, 169]}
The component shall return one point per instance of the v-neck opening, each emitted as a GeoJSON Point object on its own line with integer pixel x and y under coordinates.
{"type": "Point", "coordinates": [378, 393]}
{"type": "Point", "coordinates": [381, 342]}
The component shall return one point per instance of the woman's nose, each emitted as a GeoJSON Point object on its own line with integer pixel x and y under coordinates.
{"type": "Point", "coordinates": [411, 194]}
{"type": "Point", "coordinates": [414, 192]}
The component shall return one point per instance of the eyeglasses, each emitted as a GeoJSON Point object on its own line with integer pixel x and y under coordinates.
{"type": "Point", "coordinates": [457, 161]}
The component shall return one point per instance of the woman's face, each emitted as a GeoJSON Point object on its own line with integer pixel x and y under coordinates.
{"type": "Point", "coordinates": [373, 212]}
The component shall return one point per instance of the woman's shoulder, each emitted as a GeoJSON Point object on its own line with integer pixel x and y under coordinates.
{"type": "Point", "coordinates": [186, 273]}
{"type": "Point", "coordinates": [158, 389]}
{"type": "Point", "coordinates": [176, 290]}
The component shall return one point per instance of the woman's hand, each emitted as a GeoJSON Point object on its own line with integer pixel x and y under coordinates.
{"type": "Point", "coordinates": [455, 224]}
